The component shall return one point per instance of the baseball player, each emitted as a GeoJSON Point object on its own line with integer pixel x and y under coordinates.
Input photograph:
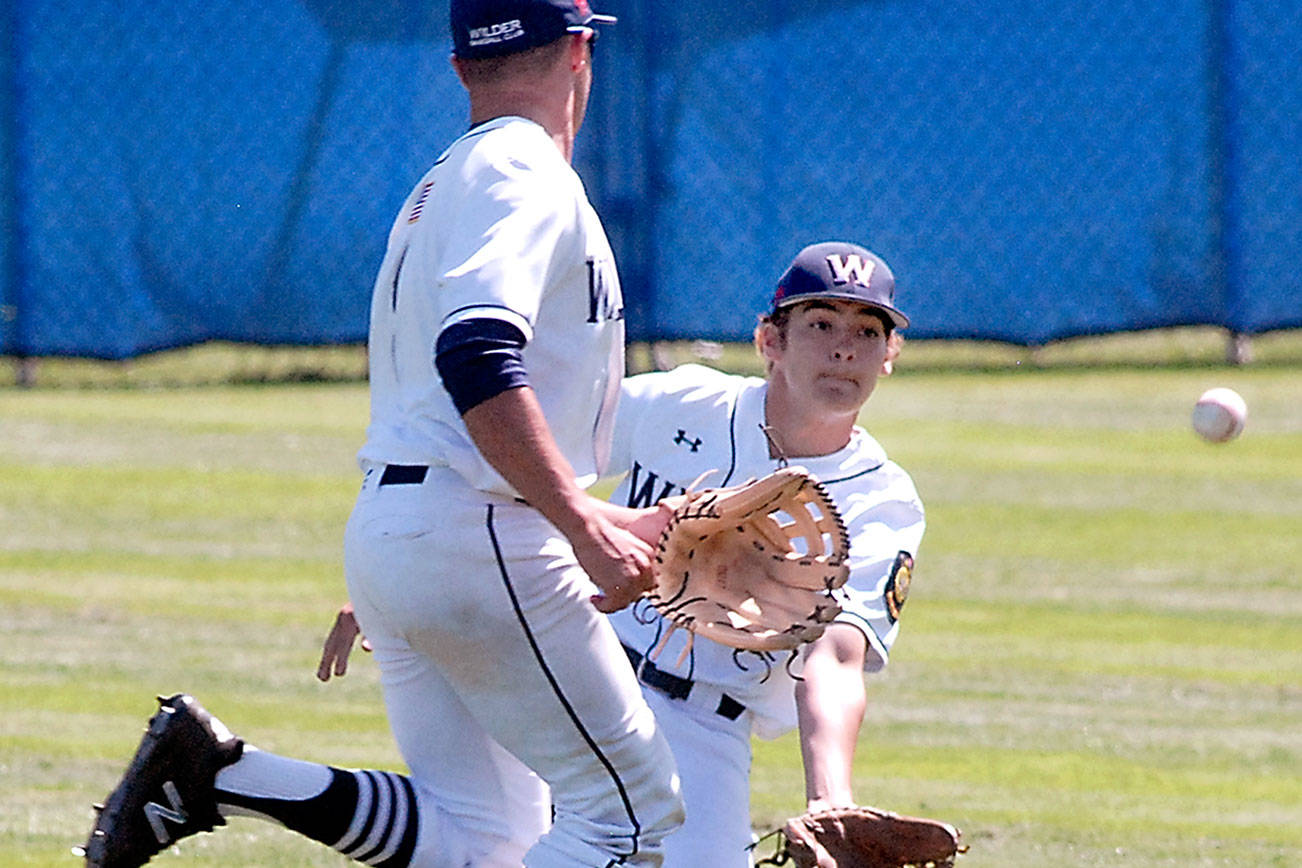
{"type": "Point", "coordinates": [479, 567]}
{"type": "Point", "coordinates": [829, 336]}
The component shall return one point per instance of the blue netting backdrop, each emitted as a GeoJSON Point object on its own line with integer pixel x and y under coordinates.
{"type": "Point", "coordinates": [183, 172]}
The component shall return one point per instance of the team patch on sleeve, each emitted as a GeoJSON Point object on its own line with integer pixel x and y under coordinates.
{"type": "Point", "coordinates": [897, 586]}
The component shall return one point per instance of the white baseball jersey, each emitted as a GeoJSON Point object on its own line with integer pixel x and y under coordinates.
{"type": "Point", "coordinates": [500, 228]}
{"type": "Point", "coordinates": [673, 426]}
{"type": "Point", "coordinates": [498, 673]}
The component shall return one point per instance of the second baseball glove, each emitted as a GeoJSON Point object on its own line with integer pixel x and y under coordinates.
{"type": "Point", "coordinates": [753, 566]}
{"type": "Point", "coordinates": [862, 837]}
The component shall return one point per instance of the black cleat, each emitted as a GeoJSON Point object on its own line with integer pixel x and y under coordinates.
{"type": "Point", "coordinates": [167, 793]}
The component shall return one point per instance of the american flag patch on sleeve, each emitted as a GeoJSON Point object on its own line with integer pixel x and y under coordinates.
{"type": "Point", "coordinates": [420, 202]}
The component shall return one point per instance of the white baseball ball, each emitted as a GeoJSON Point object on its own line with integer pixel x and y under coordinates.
{"type": "Point", "coordinates": [1219, 415]}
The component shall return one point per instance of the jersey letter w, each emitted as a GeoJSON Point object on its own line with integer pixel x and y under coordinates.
{"type": "Point", "coordinates": [641, 494]}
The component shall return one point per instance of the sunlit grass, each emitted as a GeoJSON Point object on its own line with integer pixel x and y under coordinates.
{"type": "Point", "coordinates": [1098, 666]}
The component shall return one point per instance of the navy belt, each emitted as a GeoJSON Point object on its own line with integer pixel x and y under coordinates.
{"type": "Point", "coordinates": [413, 474]}
{"type": "Point", "coordinates": [675, 687]}
{"type": "Point", "coordinates": [403, 474]}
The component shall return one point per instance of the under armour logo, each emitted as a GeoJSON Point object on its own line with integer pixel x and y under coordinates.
{"type": "Point", "coordinates": [156, 813]}
{"type": "Point", "coordinates": [682, 439]}
{"type": "Point", "coordinates": [852, 267]}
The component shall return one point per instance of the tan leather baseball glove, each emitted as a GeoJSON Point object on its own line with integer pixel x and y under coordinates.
{"type": "Point", "coordinates": [753, 566]}
{"type": "Point", "coordinates": [862, 837]}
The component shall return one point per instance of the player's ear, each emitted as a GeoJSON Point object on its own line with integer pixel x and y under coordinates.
{"type": "Point", "coordinates": [893, 345]}
{"type": "Point", "coordinates": [579, 51]}
{"type": "Point", "coordinates": [768, 340]}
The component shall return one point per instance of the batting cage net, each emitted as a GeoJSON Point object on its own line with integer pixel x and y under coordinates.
{"type": "Point", "coordinates": [179, 173]}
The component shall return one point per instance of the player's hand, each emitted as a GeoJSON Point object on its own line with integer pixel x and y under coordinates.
{"type": "Point", "coordinates": [339, 644]}
{"type": "Point", "coordinates": [616, 559]}
{"type": "Point", "coordinates": [645, 524]}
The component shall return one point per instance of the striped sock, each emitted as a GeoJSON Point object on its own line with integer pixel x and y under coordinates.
{"type": "Point", "coordinates": [384, 824]}
{"type": "Point", "coordinates": [369, 816]}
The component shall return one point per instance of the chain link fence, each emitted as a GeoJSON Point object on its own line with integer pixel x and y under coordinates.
{"type": "Point", "coordinates": [1031, 171]}
{"type": "Point", "coordinates": [228, 171]}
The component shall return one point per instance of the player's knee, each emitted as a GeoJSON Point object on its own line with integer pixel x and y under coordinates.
{"type": "Point", "coordinates": [659, 812]}
{"type": "Point", "coordinates": [628, 822]}
{"type": "Point", "coordinates": [669, 815]}
{"type": "Point", "coordinates": [635, 839]}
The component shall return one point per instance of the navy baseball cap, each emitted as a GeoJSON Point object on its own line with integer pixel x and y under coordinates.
{"type": "Point", "coordinates": [491, 28]}
{"type": "Point", "coordinates": [838, 270]}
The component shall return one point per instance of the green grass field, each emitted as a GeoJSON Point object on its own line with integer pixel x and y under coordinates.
{"type": "Point", "coordinates": [1100, 663]}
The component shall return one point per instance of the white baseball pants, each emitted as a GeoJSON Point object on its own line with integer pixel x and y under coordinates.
{"type": "Point", "coordinates": [501, 681]}
{"type": "Point", "coordinates": [714, 758]}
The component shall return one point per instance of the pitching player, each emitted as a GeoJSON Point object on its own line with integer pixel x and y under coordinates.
{"type": "Point", "coordinates": [479, 567]}
{"type": "Point", "coordinates": [829, 336]}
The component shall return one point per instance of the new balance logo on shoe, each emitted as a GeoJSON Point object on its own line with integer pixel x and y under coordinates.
{"type": "Point", "coordinates": [156, 813]}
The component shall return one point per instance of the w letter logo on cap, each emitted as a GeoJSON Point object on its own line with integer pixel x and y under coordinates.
{"type": "Point", "coordinates": [852, 267]}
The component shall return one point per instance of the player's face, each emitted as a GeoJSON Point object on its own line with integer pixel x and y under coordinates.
{"type": "Point", "coordinates": [832, 355]}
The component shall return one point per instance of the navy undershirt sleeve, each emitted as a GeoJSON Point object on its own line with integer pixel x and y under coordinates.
{"type": "Point", "coordinates": [479, 359]}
